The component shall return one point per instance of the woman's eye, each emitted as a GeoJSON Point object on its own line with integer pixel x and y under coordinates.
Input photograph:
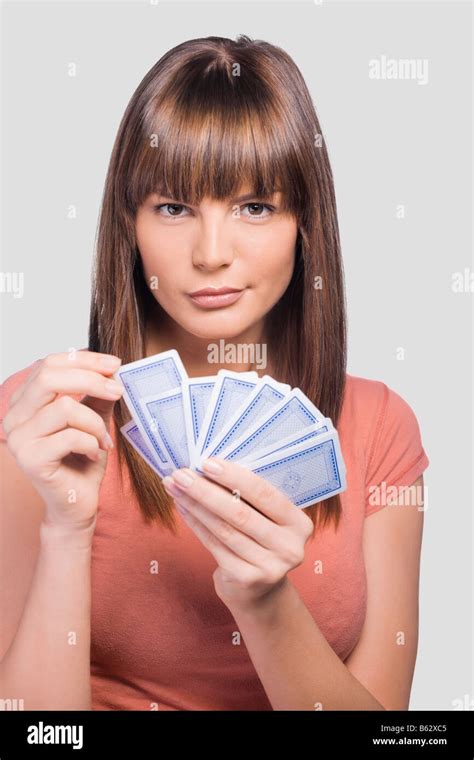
{"type": "Point", "coordinates": [255, 209]}
{"type": "Point", "coordinates": [172, 209]}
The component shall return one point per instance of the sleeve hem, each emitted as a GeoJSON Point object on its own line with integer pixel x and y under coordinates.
{"type": "Point", "coordinates": [405, 479]}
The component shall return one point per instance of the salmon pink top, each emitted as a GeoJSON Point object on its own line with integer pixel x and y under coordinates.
{"type": "Point", "coordinates": [163, 640]}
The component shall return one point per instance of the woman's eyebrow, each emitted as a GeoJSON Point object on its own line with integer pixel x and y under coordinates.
{"type": "Point", "coordinates": [248, 196]}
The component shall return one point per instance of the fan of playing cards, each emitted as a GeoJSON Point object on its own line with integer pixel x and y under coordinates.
{"type": "Point", "coordinates": [266, 426]}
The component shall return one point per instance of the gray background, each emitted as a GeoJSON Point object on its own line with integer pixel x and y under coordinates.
{"type": "Point", "coordinates": [390, 142]}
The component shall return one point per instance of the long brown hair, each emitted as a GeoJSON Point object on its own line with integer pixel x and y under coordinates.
{"type": "Point", "coordinates": [211, 114]}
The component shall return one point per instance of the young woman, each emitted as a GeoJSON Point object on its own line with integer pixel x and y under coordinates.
{"type": "Point", "coordinates": [219, 178]}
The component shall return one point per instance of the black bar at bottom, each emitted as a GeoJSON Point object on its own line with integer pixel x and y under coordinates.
{"type": "Point", "coordinates": [420, 734]}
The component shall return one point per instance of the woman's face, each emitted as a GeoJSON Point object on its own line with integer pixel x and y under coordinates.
{"type": "Point", "coordinates": [240, 244]}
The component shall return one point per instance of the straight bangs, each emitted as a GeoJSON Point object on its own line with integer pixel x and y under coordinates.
{"type": "Point", "coordinates": [208, 137]}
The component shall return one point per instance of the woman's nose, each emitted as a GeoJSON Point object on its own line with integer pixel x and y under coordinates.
{"type": "Point", "coordinates": [213, 248]}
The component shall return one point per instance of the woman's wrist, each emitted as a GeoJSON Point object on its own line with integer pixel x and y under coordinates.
{"type": "Point", "coordinates": [55, 535]}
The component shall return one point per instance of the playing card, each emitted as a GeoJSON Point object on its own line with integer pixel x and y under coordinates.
{"type": "Point", "coordinates": [165, 417]}
{"type": "Point", "coordinates": [197, 393]}
{"type": "Point", "coordinates": [293, 413]}
{"type": "Point", "coordinates": [290, 441]}
{"type": "Point", "coordinates": [309, 473]}
{"type": "Point", "coordinates": [264, 396]}
{"type": "Point", "coordinates": [155, 374]}
{"type": "Point", "coordinates": [132, 433]}
{"type": "Point", "coordinates": [228, 394]}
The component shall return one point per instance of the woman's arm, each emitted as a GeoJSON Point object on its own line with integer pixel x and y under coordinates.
{"type": "Point", "coordinates": [298, 668]}
{"type": "Point", "coordinates": [47, 663]}
{"type": "Point", "coordinates": [59, 446]}
{"type": "Point", "coordinates": [385, 655]}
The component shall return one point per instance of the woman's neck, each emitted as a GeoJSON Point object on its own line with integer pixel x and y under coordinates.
{"type": "Point", "coordinates": [206, 356]}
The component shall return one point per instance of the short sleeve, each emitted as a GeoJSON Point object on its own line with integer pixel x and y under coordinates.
{"type": "Point", "coordinates": [397, 456]}
{"type": "Point", "coordinates": [7, 389]}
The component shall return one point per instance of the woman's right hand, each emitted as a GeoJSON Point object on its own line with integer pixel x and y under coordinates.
{"type": "Point", "coordinates": [62, 444]}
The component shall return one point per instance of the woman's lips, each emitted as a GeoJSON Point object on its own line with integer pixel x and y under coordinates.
{"type": "Point", "coordinates": [216, 301]}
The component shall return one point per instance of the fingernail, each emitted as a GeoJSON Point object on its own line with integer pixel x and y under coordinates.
{"type": "Point", "coordinates": [115, 389]}
{"type": "Point", "coordinates": [110, 362]}
{"type": "Point", "coordinates": [109, 444]}
{"type": "Point", "coordinates": [210, 465]}
{"type": "Point", "coordinates": [183, 477]}
{"type": "Point", "coordinates": [171, 487]}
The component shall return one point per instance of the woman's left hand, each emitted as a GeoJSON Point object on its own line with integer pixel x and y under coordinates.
{"type": "Point", "coordinates": [254, 549]}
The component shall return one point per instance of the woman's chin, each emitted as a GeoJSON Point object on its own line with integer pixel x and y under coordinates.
{"type": "Point", "coordinates": [219, 332]}
{"type": "Point", "coordinates": [216, 324]}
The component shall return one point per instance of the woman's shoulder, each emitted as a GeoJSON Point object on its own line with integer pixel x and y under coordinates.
{"type": "Point", "coordinates": [375, 407]}
{"type": "Point", "coordinates": [371, 400]}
